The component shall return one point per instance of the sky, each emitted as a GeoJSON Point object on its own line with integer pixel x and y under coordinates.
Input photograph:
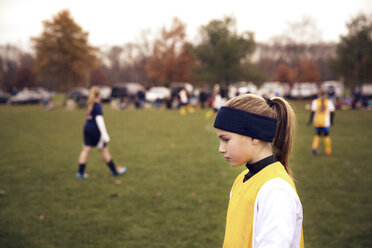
{"type": "Point", "coordinates": [116, 22]}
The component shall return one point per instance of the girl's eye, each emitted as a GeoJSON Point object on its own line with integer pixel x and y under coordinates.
{"type": "Point", "coordinates": [225, 140]}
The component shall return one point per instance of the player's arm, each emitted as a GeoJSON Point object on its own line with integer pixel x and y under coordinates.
{"type": "Point", "coordinates": [311, 118]}
{"type": "Point", "coordinates": [332, 110]}
{"type": "Point", "coordinates": [102, 128]}
{"type": "Point", "coordinates": [277, 220]}
{"type": "Point", "coordinates": [313, 109]}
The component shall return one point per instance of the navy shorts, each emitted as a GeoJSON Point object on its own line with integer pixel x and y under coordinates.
{"type": "Point", "coordinates": [322, 130]}
{"type": "Point", "coordinates": [91, 137]}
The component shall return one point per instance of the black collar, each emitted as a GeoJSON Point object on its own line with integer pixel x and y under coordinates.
{"type": "Point", "coordinates": [256, 167]}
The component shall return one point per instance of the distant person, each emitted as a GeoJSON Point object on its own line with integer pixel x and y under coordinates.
{"type": "Point", "coordinates": [140, 99]}
{"type": "Point", "coordinates": [184, 102]}
{"type": "Point", "coordinates": [203, 96]}
{"type": "Point", "coordinates": [168, 102]}
{"type": "Point", "coordinates": [339, 103]}
{"type": "Point", "coordinates": [357, 98]}
{"type": "Point", "coordinates": [237, 92]}
{"type": "Point", "coordinates": [14, 91]}
{"type": "Point", "coordinates": [322, 115]}
{"type": "Point", "coordinates": [217, 101]}
{"type": "Point", "coordinates": [158, 103]}
{"type": "Point", "coordinates": [331, 93]}
{"type": "Point", "coordinates": [223, 92]}
{"type": "Point", "coordinates": [264, 208]}
{"type": "Point", "coordinates": [95, 135]}
{"type": "Point", "coordinates": [48, 104]}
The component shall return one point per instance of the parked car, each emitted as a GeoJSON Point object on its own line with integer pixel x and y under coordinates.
{"type": "Point", "coordinates": [31, 96]}
{"type": "Point", "coordinates": [123, 90]}
{"type": "Point", "coordinates": [126, 93]}
{"type": "Point", "coordinates": [241, 88]}
{"type": "Point", "coordinates": [157, 93]}
{"type": "Point", "coordinates": [119, 91]}
{"type": "Point", "coordinates": [270, 89]}
{"type": "Point", "coordinates": [304, 90]}
{"type": "Point", "coordinates": [79, 96]}
{"type": "Point", "coordinates": [366, 90]}
{"type": "Point", "coordinates": [105, 93]}
{"type": "Point", "coordinates": [336, 86]}
{"type": "Point", "coordinates": [4, 97]}
{"type": "Point", "coordinates": [134, 88]}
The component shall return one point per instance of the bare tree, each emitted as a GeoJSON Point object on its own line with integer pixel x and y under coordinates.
{"type": "Point", "coordinates": [126, 63]}
{"type": "Point", "coordinates": [301, 41]}
{"type": "Point", "coordinates": [15, 68]}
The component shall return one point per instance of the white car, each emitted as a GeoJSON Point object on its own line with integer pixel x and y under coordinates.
{"type": "Point", "coordinates": [366, 89]}
{"type": "Point", "coordinates": [105, 93]}
{"type": "Point", "coordinates": [157, 93]}
{"type": "Point", "coordinates": [271, 89]}
{"type": "Point", "coordinates": [336, 85]}
{"type": "Point", "coordinates": [242, 88]}
{"type": "Point", "coordinates": [304, 90]}
{"type": "Point", "coordinates": [129, 89]}
{"type": "Point", "coordinates": [31, 96]}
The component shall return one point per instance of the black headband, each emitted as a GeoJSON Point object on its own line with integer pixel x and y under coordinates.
{"type": "Point", "coordinates": [245, 123]}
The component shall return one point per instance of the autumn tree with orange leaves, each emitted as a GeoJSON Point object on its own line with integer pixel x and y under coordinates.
{"type": "Point", "coordinates": [63, 56]}
{"type": "Point", "coordinates": [308, 71]}
{"type": "Point", "coordinates": [171, 59]}
{"type": "Point", "coordinates": [284, 74]}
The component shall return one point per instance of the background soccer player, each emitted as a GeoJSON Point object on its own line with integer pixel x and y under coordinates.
{"type": "Point", "coordinates": [322, 115]}
{"type": "Point", "coordinates": [95, 135]}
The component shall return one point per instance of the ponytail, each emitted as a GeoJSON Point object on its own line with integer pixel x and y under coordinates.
{"type": "Point", "coordinates": [94, 95]}
{"type": "Point", "coordinates": [286, 125]}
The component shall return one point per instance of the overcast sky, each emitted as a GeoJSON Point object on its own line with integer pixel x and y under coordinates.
{"type": "Point", "coordinates": [115, 22]}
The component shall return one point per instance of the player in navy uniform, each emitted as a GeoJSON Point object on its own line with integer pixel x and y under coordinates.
{"type": "Point", "coordinates": [95, 135]}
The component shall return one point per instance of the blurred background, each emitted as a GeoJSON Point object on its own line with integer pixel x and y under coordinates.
{"type": "Point", "coordinates": [142, 54]}
{"type": "Point", "coordinates": [300, 46]}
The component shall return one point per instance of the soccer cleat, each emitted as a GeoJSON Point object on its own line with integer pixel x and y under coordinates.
{"type": "Point", "coordinates": [81, 175]}
{"type": "Point", "coordinates": [119, 170]}
{"type": "Point", "coordinates": [314, 151]}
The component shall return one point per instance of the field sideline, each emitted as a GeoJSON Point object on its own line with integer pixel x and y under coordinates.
{"type": "Point", "coordinates": [175, 192]}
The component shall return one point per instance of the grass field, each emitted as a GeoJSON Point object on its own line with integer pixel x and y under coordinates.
{"type": "Point", "coordinates": [175, 192]}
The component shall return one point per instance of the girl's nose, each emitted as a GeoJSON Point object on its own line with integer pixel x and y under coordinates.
{"type": "Point", "coordinates": [222, 148]}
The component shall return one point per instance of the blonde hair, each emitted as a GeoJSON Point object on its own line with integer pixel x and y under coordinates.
{"type": "Point", "coordinates": [94, 95]}
{"type": "Point", "coordinates": [282, 112]}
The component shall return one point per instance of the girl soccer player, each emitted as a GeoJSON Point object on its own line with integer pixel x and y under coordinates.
{"type": "Point", "coordinates": [95, 135]}
{"type": "Point", "coordinates": [217, 101]}
{"type": "Point", "coordinates": [322, 115]}
{"type": "Point", "coordinates": [185, 102]}
{"type": "Point", "coordinates": [264, 208]}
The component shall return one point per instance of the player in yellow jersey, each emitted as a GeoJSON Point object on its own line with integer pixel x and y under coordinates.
{"type": "Point", "coordinates": [322, 116]}
{"type": "Point", "coordinates": [184, 102]}
{"type": "Point", "coordinates": [216, 103]}
{"type": "Point", "coordinates": [264, 208]}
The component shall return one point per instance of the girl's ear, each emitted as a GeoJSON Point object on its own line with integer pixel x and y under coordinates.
{"type": "Point", "coordinates": [255, 141]}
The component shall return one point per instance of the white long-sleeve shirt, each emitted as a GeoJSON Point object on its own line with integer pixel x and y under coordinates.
{"type": "Point", "coordinates": [277, 216]}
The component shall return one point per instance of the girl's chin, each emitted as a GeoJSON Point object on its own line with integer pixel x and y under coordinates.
{"type": "Point", "coordinates": [235, 165]}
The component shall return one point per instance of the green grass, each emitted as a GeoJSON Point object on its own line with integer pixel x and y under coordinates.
{"type": "Point", "coordinates": [175, 192]}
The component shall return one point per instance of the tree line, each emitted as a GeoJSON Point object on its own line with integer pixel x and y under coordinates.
{"type": "Point", "coordinates": [62, 57]}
